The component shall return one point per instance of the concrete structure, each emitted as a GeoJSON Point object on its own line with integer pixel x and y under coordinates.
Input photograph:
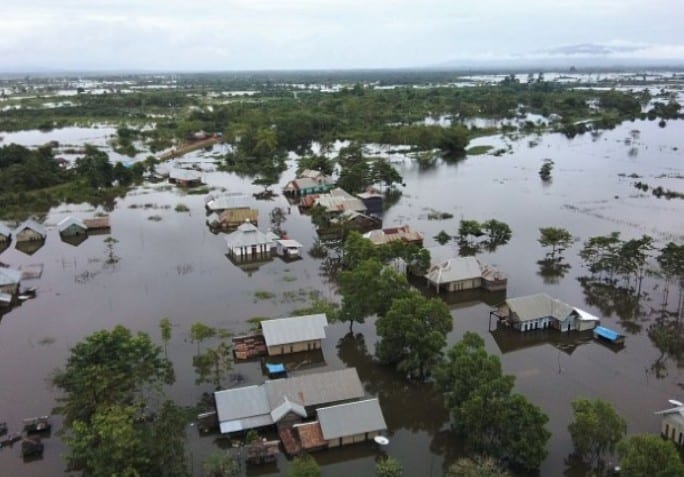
{"type": "Point", "coordinates": [541, 311]}
{"type": "Point", "coordinates": [295, 334]}
{"type": "Point", "coordinates": [288, 248]}
{"type": "Point", "coordinates": [248, 243]}
{"type": "Point", "coordinates": [5, 234]}
{"type": "Point", "coordinates": [403, 233]}
{"type": "Point", "coordinates": [30, 231]}
{"type": "Point", "coordinates": [250, 407]}
{"type": "Point", "coordinates": [672, 424]}
{"type": "Point", "coordinates": [465, 273]}
{"type": "Point", "coordinates": [309, 182]}
{"type": "Point", "coordinates": [351, 422]}
{"type": "Point", "coordinates": [72, 227]}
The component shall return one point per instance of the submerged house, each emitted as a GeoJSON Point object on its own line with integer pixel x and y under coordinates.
{"type": "Point", "coordinates": [308, 182]}
{"type": "Point", "coordinates": [30, 231]}
{"type": "Point", "coordinates": [672, 424]}
{"type": "Point", "coordinates": [465, 273]}
{"type": "Point", "coordinates": [541, 311]}
{"type": "Point", "coordinates": [72, 227]}
{"type": "Point", "coordinates": [5, 235]}
{"type": "Point", "coordinates": [373, 201]}
{"type": "Point", "coordinates": [185, 177]}
{"type": "Point", "coordinates": [249, 243]}
{"type": "Point", "coordinates": [233, 217]}
{"type": "Point", "coordinates": [98, 225]}
{"type": "Point", "coordinates": [219, 204]}
{"type": "Point", "coordinates": [351, 422]}
{"type": "Point", "coordinates": [9, 284]}
{"type": "Point", "coordinates": [403, 233]}
{"type": "Point", "coordinates": [336, 202]}
{"type": "Point", "coordinates": [295, 334]}
{"type": "Point", "coordinates": [251, 407]}
{"type": "Point", "coordinates": [288, 248]}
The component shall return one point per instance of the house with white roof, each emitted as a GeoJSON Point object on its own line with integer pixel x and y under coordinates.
{"type": "Point", "coordinates": [294, 334]}
{"type": "Point", "coordinates": [672, 423]}
{"type": "Point", "coordinates": [5, 234]}
{"type": "Point", "coordinates": [541, 311]}
{"type": "Point", "coordinates": [30, 231]}
{"type": "Point", "coordinates": [72, 227]}
{"type": "Point", "coordinates": [249, 243]}
{"type": "Point", "coordinates": [464, 273]}
{"type": "Point", "coordinates": [251, 407]}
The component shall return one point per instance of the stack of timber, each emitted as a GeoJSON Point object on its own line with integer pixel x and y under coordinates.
{"type": "Point", "coordinates": [249, 346]}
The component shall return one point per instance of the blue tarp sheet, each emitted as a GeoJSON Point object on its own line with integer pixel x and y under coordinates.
{"type": "Point", "coordinates": [275, 368]}
{"type": "Point", "coordinates": [606, 333]}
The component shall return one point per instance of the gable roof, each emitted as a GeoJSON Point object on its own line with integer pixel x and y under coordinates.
{"type": "Point", "coordinates": [540, 305]}
{"type": "Point", "coordinates": [9, 276]}
{"type": "Point", "coordinates": [286, 407]}
{"type": "Point", "coordinates": [294, 329]}
{"type": "Point", "coordinates": [33, 225]}
{"type": "Point", "coordinates": [317, 388]}
{"type": "Point", "coordinates": [5, 230]}
{"type": "Point", "coordinates": [247, 235]}
{"type": "Point", "coordinates": [67, 222]}
{"type": "Point", "coordinates": [220, 203]}
{"type": "Point", "coordinates": [339, 200]}
{"type": "Point", "coordinates": [184, 174]}
{"type": "Point", "coordinates": [455, 270]}
{"type": "Point", "coordinates": [289, 243]}
{"type": "Point", "coordinates": [351, 418]}
{"type": "Point", "coordinates": [379, 237]}
{"type": "Point", "coordinates": [242, 408]}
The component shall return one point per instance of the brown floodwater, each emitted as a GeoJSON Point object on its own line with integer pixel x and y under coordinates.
{"type": "Point", "coordinates": [176, 267]}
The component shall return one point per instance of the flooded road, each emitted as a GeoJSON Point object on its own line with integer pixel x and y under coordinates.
{"type": "Point", "coordinates": [176, 267]}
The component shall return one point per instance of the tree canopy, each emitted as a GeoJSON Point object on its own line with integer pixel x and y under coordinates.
{"type": "Point", "coordinates": [412, 333]}
{"type": "Point", "coordinates": [651, 455]}
{"type": "Point", "coordinates": [596, 429]}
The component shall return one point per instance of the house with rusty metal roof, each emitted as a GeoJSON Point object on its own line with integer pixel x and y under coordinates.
{"type": "Point", "coordinates": [403, 233]}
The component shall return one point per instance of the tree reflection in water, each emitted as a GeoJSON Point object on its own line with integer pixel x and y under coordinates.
{"type": "Point", "coordinates": [552, 270]}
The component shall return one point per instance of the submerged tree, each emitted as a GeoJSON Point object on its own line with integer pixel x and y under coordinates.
{"type": "Point", "coordinates": [388, 467]}
{"type": "Point", "coordinates": [596, 429]}
{"type": "Point", "coordinates": [559, 239]}
{"type": "Point", "coordinates": [478, 466]}
{"type": "Point", "coordinates": [545, 170]}
{"type": "Point", "coordinates": [647, 454]}
{"type": "Point", "coordinates": [165, 329]}
{"type": "Point", "coordinates": [221, 464]}
{"type": "Point", "coordinates": [412, 334]}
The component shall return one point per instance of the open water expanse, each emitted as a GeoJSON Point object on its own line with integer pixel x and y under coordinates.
{"type": "Point", "coordinates": [176, 267]}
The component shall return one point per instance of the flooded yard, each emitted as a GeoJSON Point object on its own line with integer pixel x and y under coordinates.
{"type": "Point", "coordinates": [176, 267]}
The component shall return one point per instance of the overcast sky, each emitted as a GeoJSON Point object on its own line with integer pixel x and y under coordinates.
{"type": "Point", "coordinates": [292, 34]}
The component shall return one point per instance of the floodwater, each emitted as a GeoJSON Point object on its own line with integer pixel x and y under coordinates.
{"type": "Point", "coordinates": [176, 267]}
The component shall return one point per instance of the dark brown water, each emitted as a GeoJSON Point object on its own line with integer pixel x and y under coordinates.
{"type": "Point", "coordinates": [177, 268]}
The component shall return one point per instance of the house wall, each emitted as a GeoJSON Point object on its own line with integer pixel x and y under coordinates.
{"type": "Point", "coordinates": [294, 347]}
{"type": "Point", "coordinates": [4, 238]}
{"type": "Point", "coordinates": [73, 231]}
{"type": "Point", "coordinates": [28, 235]}
{"type": "Point", "coordinates": [353, 439]}
{"type": "Point", "coordinates": [672, 430]}
{"type": "Point", "coordinates": [464, 285]}
{"type": "Point", "coordinates": [585, 325]}
{"type": "Point", "coordinates": [538, 324]}
{"type": "Point", "coordinates": [494, 285]}
{"type": "Point", "coordinates": [11, 289]}
{"type": "Point", "coordinates": [249, 253]}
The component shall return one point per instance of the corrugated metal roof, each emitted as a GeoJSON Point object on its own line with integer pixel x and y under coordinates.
{"type": "Point", "coordinates": [5, 230]}
{"type": "Point", "coordinates": [246, 423]}
{"type": "Point", "coordinates": [351, 419]}
{"type": "Point", "coordinates": [317, 388]}
{"type": "Point", "coordinates": [9, 276]}
{"type": "Point", "coordinates": [67, 222]}
{"type": "Point", "coordinates": [247, 235]}
{"type": "Point", "coordinates": [537, 306]}
{"type": "Point", "coordinates": [455, 270]}
{"type": "Point", "coordinates": [33, 225]}
{"type": "Point", "coordinates": [379, 237]}
{"type": "Point", "coordinates": [184, 174]}
{"type": "Point", "coordinates": [289, 243]}
{"type": "Point", "coordinates": [294, 329]}
{"type": "Point", "coordinates": [5, 298]}
{"type": "Point", "coordinates": [586, 316]}
{"type": "Point", "coordinates": [241, 403]}
{"type": "Point", "coordinates": [285, 407]}
{"type": "Point", "coordinates": [220, 203]}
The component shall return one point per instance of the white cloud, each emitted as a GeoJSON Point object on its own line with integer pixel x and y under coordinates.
{"type": "Point", "coordinates": [258, 34]}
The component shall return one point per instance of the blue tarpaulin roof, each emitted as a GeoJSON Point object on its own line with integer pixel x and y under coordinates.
{"type": "Point", "coordinates": [275, 368]}
{"type": "Point", "coordinates": [606, 333]}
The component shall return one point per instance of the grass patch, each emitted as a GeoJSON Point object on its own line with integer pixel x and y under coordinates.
{"type": "Point", "coordinates": [155, 218]}
{"type": "Point", "coordinates": [198, 191]}
{"type": "Point", "coordinates": [289, 278]}
{"type": "Point", "coordinates": [263, 295]}
{"type": "Point", "coordinates": [435, 215]}
{"type": "Point", "coordinates": [478, 150]}
{"type": "Point", "coordinates": [182, 208]}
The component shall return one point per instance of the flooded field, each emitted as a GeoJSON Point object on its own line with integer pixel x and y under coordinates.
{"type": "Point", "coordinates": [176, 267]}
